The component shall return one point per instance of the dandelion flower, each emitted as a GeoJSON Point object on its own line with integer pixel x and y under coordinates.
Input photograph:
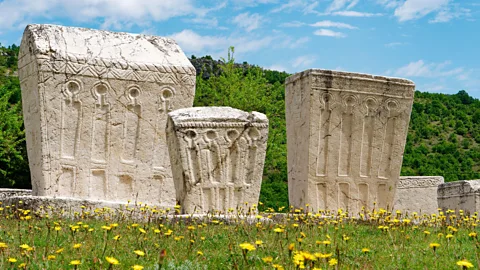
{"type": "Point", "coordinates": [112, 260]}
{"type": "Point", "coordinates": [278, 230]}
{"type": "Point", "coordinates": [75, 262]}
{"type": "Point", "coordinates": [465, 264]}
{"type": "Point", "coordinates": [259, 242]}
{"type": "Point", "coordinates": [473, 234]}
{"type": "Point", "coordinates": [51, 257]}
{"type": "Point", "coordinates": [268, 259]}
{"type": "Point", "coordinates": [365, 250]}
{"type": "Point", "coordinates": [434, 246]}
{"type": "Point", "coordinates": [77, 245]}
{"type": "Point", "coordinates": [139, 253]}
{"type": "Point", "coordinates": [12, 260]}
{"type": "Point", "coordinates": [3, 245]}
{"type": "Point", "coordinates": [137, 267]}
{"type": "Point", "coordinates": [247, 246]}
{"type": "Point", "coordinates": [25, 246]}
{"type": "Point", "coordinates": [58, 251]}
{"type": "Point", "coordinates": [199, 253]}
{"type": "Point", "coordinates": [332, 262]}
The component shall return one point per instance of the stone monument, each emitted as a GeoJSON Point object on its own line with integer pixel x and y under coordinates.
{"type": "Point", "coordinates": [460, 195]}
{"type": "Point", "coordinates": [346, 134]}
{"type": "Point", "coordinates": [95, 106]}
{"type": "Point", "coordinates": [217, 156]}
{"type": "Point", "coordinates": [418, 194]}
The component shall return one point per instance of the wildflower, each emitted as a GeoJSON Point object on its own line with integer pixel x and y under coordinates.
{"type": "Point", "coordinates": [199, 253]}
{"type": "Point", "coordinates": [107, 228]}
{"type": "Point", "coordinates": [434, 246]}
{"type": "Point", "coordinates": [277, 266]}
{"type": "Point", "coordinates": [259, 242]}
{"type": "Point", "coordinates": [77, 246]}
{"type": "Point", "coordinates": [58, 228]}
{"type": "Point", "coordinates": [51, 257]}
{"type": "Point", "coordinates": [473, 234]}
{"type": "Point", "coordinates": [426, 233]}
{"type": "Point", "coordinates": [291, 247]}
{"type": "Point", "coordinates": [268, 259]}
{"type": "Point", "coordinates": [75, 262]}
{"type": "Point", "coordinates": [3, 245]}
{"type": "Point", "coordinates": [58, 251]}
{"type": "Point", "coordinates": [465, 264]}
{"type": "Point", "coordinates": [278, 230]}
{"type": "Point", "coordinates": [449, 236]}
{"type": "Point", "coordinates": [323, 256]}
{"type": "Point", "coordinates": [112, 260]}
{"type": "Point", "coordinates": [365, 250]}
{"type": "Point", "coordinates": [116, 237]}
{"type": "Point", "coordinates": [332, 262]}
{"type": "Point", "coordinates": [25, 246]}
{"type": "Point", "coordinates": [247, 246]}
{"type": "Point", "coordinates": [12, 260]}
{"type": "Point", "coordinates": [142, 230]}
{"type": "Point", "coordinates": [139, 253]}
{"type": "Point", "coordinates": [22, 265]}
{"type": "Point", "coordinates": [137, 267]}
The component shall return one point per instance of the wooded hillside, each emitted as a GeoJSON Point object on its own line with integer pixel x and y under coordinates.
{"type": "Point", "coordinates": [443, 138]}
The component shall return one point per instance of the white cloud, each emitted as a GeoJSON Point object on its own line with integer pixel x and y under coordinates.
{"type": "Point", "coordinates": [394, 44]}
{"type": "Point", "coordinates": [305, 6]}
{"type": "Point", "coordinates": [277, 67]}
{"type": "Point", "coordinates": [333, 24]}
{"type": "Point", "coordinates": [390, 3]}
{"type": "Point", "coordinates": [450, 12]}
{"type": "Point", "coordinates": [192, 42]}
{"type": "Point", "coordinates": [430, 70]}
{"type": "Point", "coordinates": [303, 61]}
{"type": "Point", "coordinates": [111, 13]}
{"type": "Point", "coordinates": [252, 3]}
{"type": "Point", "coordinates": [415, 9]}
{"type": "Point", "coordinates": [329, 33]}
{"type": "Point", "coordinates": [247, 21]}
{"type": "Point", "coordinates": [293, 24]}
{"type": "Point", "coordinates": [340, 4]}
{"type": "Point", "coordinates": [351, 13]}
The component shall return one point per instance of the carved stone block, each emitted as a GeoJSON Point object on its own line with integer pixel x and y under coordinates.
{"type": "Point", "coordinates": [217, 156]}
{"type": "Point", "coordinates": [95, 106]}
{"type": "Point", "coordinates": [417, 194]}
{"type": "Point", "coordinates": [460, 195]}
{"type": "Point", "coordinates": [346, 134]}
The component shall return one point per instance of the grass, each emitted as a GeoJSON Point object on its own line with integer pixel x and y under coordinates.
{"type": "Point", "coordinates": [105, 239]}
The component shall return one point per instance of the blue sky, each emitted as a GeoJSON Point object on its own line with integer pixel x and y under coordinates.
{"type": "Point", "coordinates": [435, 43]}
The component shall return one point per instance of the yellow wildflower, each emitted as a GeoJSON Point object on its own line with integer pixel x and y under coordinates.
{"type": "Point", "coordinates": [25, 246]}
{"type": "Point", "coordinates": [139, 253]}
{"type": "Point", "coordinates": [3, 245]}
{"type": "Point", "coordinates": [365, 250]}
{"type": "Point", "coordinates": [434, 246]}
{"type": "Point", "coordinates": [77, 245]}
{"type": "Point", "coordinates": [199, 253]}
{"type": "Point", "coordinates": [59, 250]}
{"type": "Point", "coordinates": [51, 257]}
{"type": "Point", "coordinates": [116, 237]}
{"type": "Point", "coordinates": [268, 259]}
{"type": "Point", "coordinates": [247, 246]}
{"type": "Point", "coordinates": [137, 267]}
{"type": "Point", "coordinates": [75, 262]}
{"type": "Point", "coordinates": [465, 264]}
{"type": "Point", "coordinates": [112, 260]}
{"type": "Point", "coordinates": [142, 230]}
{"type": "Point", "coordinates": [332, 262]}
{"type": "Point", "coordinates": [259, 242]}
{"type": "Point", "coordinates": [12, 260]}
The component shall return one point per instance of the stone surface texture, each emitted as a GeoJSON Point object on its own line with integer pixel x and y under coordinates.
{"type": "Point", "coordinates": [12, 192]}
{"type": "Point", "coordinates": [346, 134]}
{"type": "Point", "coordinates": [418, 194]}
{"type": "Point", "coordinates": [217, 156]}
{"type": "Point", "coordinates": [95, 106]}
{"type": "Point", "coordinates": [460, 195]}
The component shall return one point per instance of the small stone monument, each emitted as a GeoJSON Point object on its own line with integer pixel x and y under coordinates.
{"type": "Point", "coordinates": [217, 156]}
{"type": "Point", "coordinates": [418, 194]}
{"type": "Point", "coordinates": [460, 195]}
{"type": "Point", "coordinates": [95, 106]}
{"type": "Point", "coordinates": [346, 134]}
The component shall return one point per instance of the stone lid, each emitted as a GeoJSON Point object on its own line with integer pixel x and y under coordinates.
{"type": "Point", "coordinates": [83, 45]}
{"type": "Point", "coordinates": [348, 75]}
{"type": "Point", "coordinates": [190, 116]}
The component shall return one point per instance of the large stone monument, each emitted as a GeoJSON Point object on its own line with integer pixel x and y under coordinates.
{"type": "Point", "coordinates": [460, 195]}
{"type": "Point", "coordinates": [95, 106]}
{"type": "Point", "coordinates": [217, 156]}
{"type": "Point", "coordinates": [418, 194]}
{"type": "Point", "coordinates": [346, 134]}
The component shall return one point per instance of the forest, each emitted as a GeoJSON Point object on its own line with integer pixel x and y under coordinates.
{"type": "Point", "coordinates": [443, 137]}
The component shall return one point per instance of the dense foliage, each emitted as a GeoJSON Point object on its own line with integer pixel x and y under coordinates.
{"type": "Point", "coordinates": [443, 138]}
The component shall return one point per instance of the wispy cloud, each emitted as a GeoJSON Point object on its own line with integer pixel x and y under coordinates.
{"type": "Point", "coordinates": [329, 33]}
{"type": "Point", "coordinates": [340, 4]}
{"type": "Point", "coordinates": [293, 24]}
{"type": "Point", "coordinates": [351, 13]}
{"type": "Point", "coordinates": [415, 9]}
{"type": "Point", "coordinates": [247, 21]}
{"type": "Point", "coordinates": [430, 70]}
{"type": "Point", "coordinates": [450, 12]}
{"type": "Point", "coordinates": [394, 44]}
{"type": "Point", "coordinates": [333, 24]}
{"type": "Point", "coordinates": [108, 13]}
{"type": "Point", "coordinates": [303, 61]}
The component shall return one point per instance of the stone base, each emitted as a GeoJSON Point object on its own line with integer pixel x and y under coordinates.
{"type": "Point", "coordinates": [417, 194]}
{"type": "Point", "coordinates": [10, 192]}
{"type": "Point", "coordinates": [460, 195]}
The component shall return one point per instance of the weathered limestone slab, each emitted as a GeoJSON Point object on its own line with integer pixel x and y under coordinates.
{"type": "Point", "coordinates": [217, 156]}
{"type": "Point", "coordinates": [418, 194]}
{"type": "Point", "coordinates": [346, 134]}
{"type": "Point", "coordinates": [460, 195]}
{"type": "Point", "coordinates": [95, 105]}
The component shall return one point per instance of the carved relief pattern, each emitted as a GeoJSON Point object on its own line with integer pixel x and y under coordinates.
{"type": "Point", "coordinates": [132, 125]}
{"type": "Point", "coordinates": [101, 68]}
{"type": "Point", "coordinates": [101, 120]}
{"type": "Point", "coordinates": [221, 162]}
{"type": "Point", "coordinates": [419, 182]}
